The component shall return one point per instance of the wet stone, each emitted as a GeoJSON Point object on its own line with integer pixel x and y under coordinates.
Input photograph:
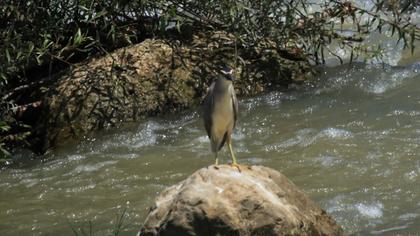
{"type": "Point", "coordinates": [224, 201]}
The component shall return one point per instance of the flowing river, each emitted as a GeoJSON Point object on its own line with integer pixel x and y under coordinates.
{"type": "Point", "coordinates": [351, 141]}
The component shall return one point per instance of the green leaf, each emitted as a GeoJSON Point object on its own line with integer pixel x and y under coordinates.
{"type": "Point", "coordinates": [18, 55]}
{"type": "Point", "coordinates": [3, 77]}
{"type": "Point", "coordinates": [4, 126]}
{"type": "Point", "coordinates": [8, 55]}
{"type": "Point", "coordinates": [38, 59]}
{"type": "Point", "coordinates": [31, 48]}
{"type": "Point", "coordinates": [83, 8]}
{"type": "Point", "coordinates": [4, 152]}
{"type": "Point", "coordinates": [78, 37]}
{"type": "Point", "coordinates": [178, 26]}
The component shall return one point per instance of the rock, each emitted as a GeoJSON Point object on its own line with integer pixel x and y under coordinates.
{"type": "Point", "coordinates": [130, 83]}
{"type": "Point", "coordinates": [153, 77]}
{"type": "Point", "coordinates": [256, 201]}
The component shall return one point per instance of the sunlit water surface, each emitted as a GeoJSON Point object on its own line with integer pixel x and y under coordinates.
{"type": "Point", "coordinates": [352, 143]}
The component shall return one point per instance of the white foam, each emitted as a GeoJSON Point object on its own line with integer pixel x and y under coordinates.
{"type": "Point", "coordinates": [335, 133]}
{"type": "Point", "coordinates": [93, 167]}
{"type": "Point", "coordinates": [81, 188]}
{"type": "Point", "coordinates": [329, 160]}
{"type": "Point", "coordinates": [408, 216]}
{"type": "Point", "coordinates": [29, 182]}
{"type": "Point", "coordinates": [146, 136]}
{"type": "Point", "coordinates": [76, 157]}
{"type": "Point", "coordinates": [202, 139]}
{"type": "Point", "coordinates": [374, 210]}
{"type": "Point", "coordinates": [388, 81]}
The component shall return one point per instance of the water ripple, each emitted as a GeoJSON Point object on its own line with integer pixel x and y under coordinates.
{"type": "Point", "coordinates": [351, 141]}
{"type": "Point", "coordinates": [91, 167]}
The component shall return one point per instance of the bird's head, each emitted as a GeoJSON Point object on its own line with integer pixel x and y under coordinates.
{"type": "Point", "coordinates": [227, 72]}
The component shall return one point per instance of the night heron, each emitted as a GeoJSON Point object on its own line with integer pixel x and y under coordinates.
{"type": "Point", "coordinates": [220, 112]}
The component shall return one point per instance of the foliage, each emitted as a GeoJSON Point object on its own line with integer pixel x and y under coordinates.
{"type": "Point", "coordinates": [41, 38]}
{"type": "Point", "coordinates": [308, 28]}
{"type": "Point", "coordinates": [50, 32]}
{"type": "Point", "coordinates": [4, 127]}
{"type": "Point", "coordinates": [41, 33]}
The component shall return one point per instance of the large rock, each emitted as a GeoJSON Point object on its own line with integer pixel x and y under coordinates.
{"type": "Point", "coordinates": [153, 77]}
{"type": "Point", "coordinates": [130, 83]}
{"type": "Point", "coordinates": [256, 201]}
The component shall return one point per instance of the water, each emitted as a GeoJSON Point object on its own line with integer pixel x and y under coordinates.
{"type": "Point", "coordinates": [351, 141]}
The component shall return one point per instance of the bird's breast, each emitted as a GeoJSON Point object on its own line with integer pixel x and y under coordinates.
{"type": "Point", "coordinates": [223, 113]}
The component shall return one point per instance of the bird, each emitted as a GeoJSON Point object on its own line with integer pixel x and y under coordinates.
{"type": "Point", "coordinates": [220, 112]}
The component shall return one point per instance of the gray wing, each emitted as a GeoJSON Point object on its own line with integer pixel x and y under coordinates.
{"type": "Point", "coordinates": [234, 104]}
{"type": "Point", "coordinates": [208, 108]}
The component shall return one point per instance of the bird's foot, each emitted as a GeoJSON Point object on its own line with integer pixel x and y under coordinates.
{"type": "Point", "coordinates": [216, 163]}
{"type": "Point", "coordinates": [236, 165]}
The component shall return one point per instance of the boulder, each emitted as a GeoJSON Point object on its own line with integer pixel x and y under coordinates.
{"type": "Point", "coordinates": [128, 84]}
{"type": "Point", "coordinates": [253, 201]}
{"type": "Point", "coordinates": [150, 78]}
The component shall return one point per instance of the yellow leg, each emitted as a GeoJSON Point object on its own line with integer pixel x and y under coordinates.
{"type": "Point", "coordinates": [232, 154]}
{"type": "Point", "coordinates": [235, 164]}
